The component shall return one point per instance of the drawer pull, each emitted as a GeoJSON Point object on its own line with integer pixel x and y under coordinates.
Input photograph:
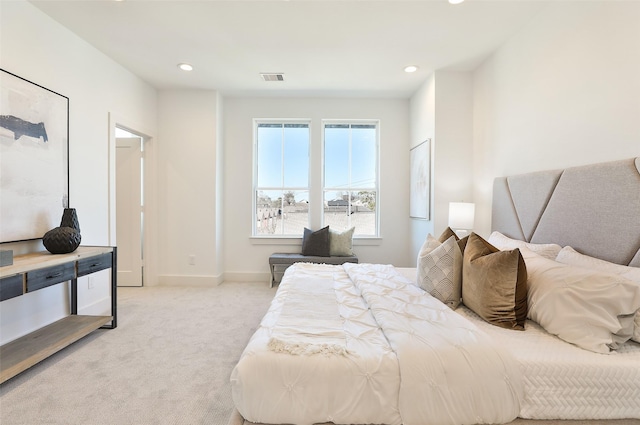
{"type": "Point", "coordinates": [54, 275]}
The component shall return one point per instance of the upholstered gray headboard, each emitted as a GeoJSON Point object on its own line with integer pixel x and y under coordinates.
{"type": "Point", "coordinates": [593, 208]}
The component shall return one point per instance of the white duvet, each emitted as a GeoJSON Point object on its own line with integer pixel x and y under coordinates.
{"type": "Point", "coordinates": [370, 347]}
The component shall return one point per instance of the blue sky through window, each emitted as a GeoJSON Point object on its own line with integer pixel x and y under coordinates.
{"type": "Point", "coordinates": [350, 175]}
{"type": "Point", "coordinates": [286, 145]}
{"type": "Point", "coordinates": [350, 144]}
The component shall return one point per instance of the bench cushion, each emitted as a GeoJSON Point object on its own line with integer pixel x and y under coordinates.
{"type": "Point", "coordinates": [285, 258]}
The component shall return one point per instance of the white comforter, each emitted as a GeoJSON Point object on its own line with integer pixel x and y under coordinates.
{"type": "Point", "coordinates": [370, 347]}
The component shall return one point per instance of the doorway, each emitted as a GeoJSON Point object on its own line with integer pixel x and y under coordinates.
{"type": "Point", "coordinates": [129, 187]}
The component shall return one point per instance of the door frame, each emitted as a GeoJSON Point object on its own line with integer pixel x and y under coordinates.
{"type": "Point", "coordinates": [129, 208]}
{"type": "Point", "coordinates": [150, 198]}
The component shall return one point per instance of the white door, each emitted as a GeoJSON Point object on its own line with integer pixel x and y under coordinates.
{"type": "Point", "coordinates": [129, 210]}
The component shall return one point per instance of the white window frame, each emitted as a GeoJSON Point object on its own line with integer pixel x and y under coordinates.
{"type": "Point", "coordinates": [323, 188]}
{"type": "Point", "coordinates": [254, 192]}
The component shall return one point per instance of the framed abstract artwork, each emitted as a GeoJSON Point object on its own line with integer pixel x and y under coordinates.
{"type": "Point", "coordinates": [420, 181]}
{"type": "Point", "coordinates": [34, 158]}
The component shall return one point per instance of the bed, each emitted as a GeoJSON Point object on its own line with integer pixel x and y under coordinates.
{"type": "Point", "coordinates": [371, 343]}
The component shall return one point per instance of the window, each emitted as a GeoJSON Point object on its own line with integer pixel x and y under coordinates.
{"type": "Point", "coordinates": [350, 190]}
{"type": "Point", "coordinates": [281, 180]}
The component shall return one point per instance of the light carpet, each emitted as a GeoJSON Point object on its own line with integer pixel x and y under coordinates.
{"type": "Point", "coordinates": [168, 362]}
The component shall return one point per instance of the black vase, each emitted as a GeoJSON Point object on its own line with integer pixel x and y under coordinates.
{"type": "Point", "coordinates": [61, 240]}
{"type": "Point", "coordinates": [70, 219]}
{"type": "Point", "coordinates": [66, 238]}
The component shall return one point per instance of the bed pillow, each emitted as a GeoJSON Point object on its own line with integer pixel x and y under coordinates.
{"type": "Point", "coordinates": [588, 308]}
{"type": "Point", "coordinates": [341, 243]}
{"type": "Point", "coordinates": [494, 283]}
{"type": "Point", "coordinates": [547, 250]}
{"type": "Point", "coordinates": [570, 256]}
{"type": "Point", "coordinates": [440, 270]}
{"type": "Point", "coordinates": [316, 243]}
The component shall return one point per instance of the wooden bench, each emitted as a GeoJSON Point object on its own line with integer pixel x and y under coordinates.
{"type": "Point", "coordinates": [287, 259]}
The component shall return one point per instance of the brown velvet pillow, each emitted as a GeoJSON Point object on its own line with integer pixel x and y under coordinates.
{"type": "Point", "coordinates": [462, 243]}
{"type": "Point", "coordinates": [448, 232]}
{"type": "Point", "coordinates": [494, 283]}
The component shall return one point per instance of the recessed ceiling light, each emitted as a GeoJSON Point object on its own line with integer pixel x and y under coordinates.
{"type": "Point", "coordinates": [410, 68]}
{"type": "Point", "coordinates": [185, 67]}
{"type": "Point", "coordinates": [455, 1]}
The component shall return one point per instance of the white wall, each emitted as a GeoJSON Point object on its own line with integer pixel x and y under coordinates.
{"type": "Point", "coordinates": [442, 110]}
{"type": "Point", "coordinates": [453, 168]}
{"type": "Point", "coordinates": [187, 188]}
{"type": "Point", "coordinates": [35, 47]}
{"type": "Point", "coordinates": [564, 91]}
{"type": "Point", "coordinates": [247, 259]}
{"type": "Point", "coordinates": [423, 122]}
{"type": "Point", "coordinates": [220, 169]}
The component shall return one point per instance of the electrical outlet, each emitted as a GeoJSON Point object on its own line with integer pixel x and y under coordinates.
{"type": "Point", "coordinates": [90, 283]}
{"type": "Point", "coordinates": [192, 260]}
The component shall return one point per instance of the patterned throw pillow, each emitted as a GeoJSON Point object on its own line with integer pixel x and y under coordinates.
{"type": "Point", "coordinates": [440, 270]}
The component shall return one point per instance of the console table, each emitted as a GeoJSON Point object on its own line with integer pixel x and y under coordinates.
{"type": "Point", "coordinates": [34, 271]}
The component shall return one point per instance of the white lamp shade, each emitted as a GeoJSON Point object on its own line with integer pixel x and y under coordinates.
{"type": "Point", "coordinates": [461, 215]}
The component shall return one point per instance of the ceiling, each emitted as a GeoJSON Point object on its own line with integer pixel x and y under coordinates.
{"type": "Point", "coordinates": [349, 48]}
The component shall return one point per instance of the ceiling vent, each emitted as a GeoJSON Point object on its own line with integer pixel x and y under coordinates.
{"type": "Point", "coordinates": [272, 76]}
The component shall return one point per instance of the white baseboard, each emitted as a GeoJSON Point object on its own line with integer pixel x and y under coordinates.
{"type": "Point", "coordinates": [247, 277]}
{"type": "Point", "coordinates": [182, 280]}
{"type": "Point", "coordinates": [102, 307]}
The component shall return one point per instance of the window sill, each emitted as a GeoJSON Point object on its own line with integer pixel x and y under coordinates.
{"type": "Point", "coordinates": [284, 240]}
{"type": "Point", "coordinates": [275, 240]}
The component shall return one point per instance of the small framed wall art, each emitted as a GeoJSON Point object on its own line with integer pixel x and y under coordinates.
{"type": "Point", "coordinates": [420, 181]}
{"type": "Point", "coordinates": [34, 158]}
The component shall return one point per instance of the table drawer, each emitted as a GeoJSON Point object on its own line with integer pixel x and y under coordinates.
{"type": "Point", "coordinates": [11, 286]}
{"type": "Point", "coordinates": [94, 264]}
{"type": "Point", "coordinates": [42, 278]}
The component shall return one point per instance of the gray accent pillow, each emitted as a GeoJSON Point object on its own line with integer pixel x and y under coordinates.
{"type": "Point", "coordinates": [316, 243]}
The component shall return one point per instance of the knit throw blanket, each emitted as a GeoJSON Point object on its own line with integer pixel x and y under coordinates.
{"type": "Point", "coordinates": [306, 328]}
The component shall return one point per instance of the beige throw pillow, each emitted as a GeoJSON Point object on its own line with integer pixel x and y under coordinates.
{"type": "Point", "coordinates": [440, 270]}
{"type": "Point", "coordinates": [341, 243]}
{"type": "Point", "coordinates": [494, 283]}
